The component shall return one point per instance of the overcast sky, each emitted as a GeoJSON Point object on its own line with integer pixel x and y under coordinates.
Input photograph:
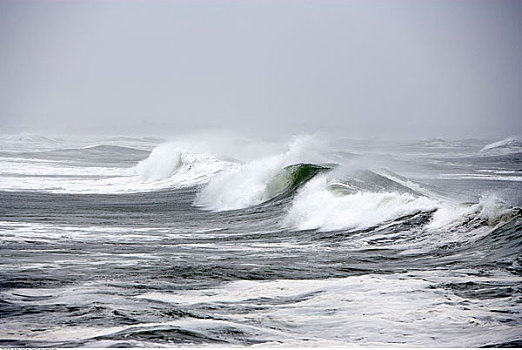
{"type": "Point", "coordinates": [394, 69]}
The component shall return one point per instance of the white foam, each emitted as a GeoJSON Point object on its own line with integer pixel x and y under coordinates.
{"type": "Point", "coordinates": [412, 309]}
{"type": "Point", "coordinates": [241, 186]}
{"type": "Point", "coordinates": [363, 310]}
{"type": "Point", "coordinates": [316, 207]}
{"type": "Point", "coordinates": [43, 232]}
{"type": "Point", "coordinates": [61, 177]}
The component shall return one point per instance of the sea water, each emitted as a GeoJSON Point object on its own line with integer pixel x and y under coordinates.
{"type": "Point", "coordinates": [308, 241]}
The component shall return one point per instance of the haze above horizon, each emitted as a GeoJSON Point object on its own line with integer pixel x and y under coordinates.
{"type": "Point", "coordinates": [394, 69]}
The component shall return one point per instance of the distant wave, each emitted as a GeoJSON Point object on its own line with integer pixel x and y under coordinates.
{"type": "Point", "coordinates": [98, 152]}
{"type": "Point", "coordinates": [147, 139]}
{"type": "Point", "coordinates": [109, 149]}
{"type": "Point", "coordinates": [28, 137]}
{"type": "Point", "coordinates": [29, 142]}
{"type": "Point", "coordinates": [95, 153]}
{"type": "Point", "coordinates": [438, 142]}
{"type": "Point", "coordinates": [511, 144]}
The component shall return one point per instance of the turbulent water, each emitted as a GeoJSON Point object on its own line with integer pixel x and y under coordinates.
{"type": "Point", "coordinates": [313, 241]}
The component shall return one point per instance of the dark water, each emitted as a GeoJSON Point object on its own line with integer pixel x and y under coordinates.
{"type": "Point", "coordinates": [83, 265]}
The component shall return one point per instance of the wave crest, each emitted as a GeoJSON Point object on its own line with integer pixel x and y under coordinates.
{"type": "Point", "coordinates": [317, 206]}
{"type": "Point", "coordinates": [490, 210]}
{"type": "Point", "coordinates": [168, 162]}
{"type": "Point", "coordinates": [263, 179]}
{"type": "Point", "coordinates": [236, 190]}
{"type": "Point", "coordinates": [367, 200]}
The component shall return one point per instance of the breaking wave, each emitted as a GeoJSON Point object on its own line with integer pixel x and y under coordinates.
{"type": "Point", "coordinates": [318, 193]}
{"type": "Point", "coordinates": [261, 180]}
{"type": "Point", "coordinates": [367, 200]}
{"type": "Point", "coordinates": [324, 196]}
{"type": "Point", "coordinates": [328, 207]}
{"type": "Point", "coordinates": [233, 190]}
{"type": "Point", "coordinates": [511, 144]}
{"type": "Point", "coordinates": [167, 163]}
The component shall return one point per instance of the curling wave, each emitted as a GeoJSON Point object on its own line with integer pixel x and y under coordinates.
{"type": "Point", "coordinates": [368, 200]}
{"type": "Point", "coordinates": [263, 179]}
{"type": "Point", "coordinates": [234, 191]}
{"type": "Point", "coordinates": [327, 208]}
{"type": "Point", "coordinates": [176, 166]}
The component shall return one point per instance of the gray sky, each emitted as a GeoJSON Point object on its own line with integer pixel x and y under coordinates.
{"type": "Point", "coordinates": [394, 69]}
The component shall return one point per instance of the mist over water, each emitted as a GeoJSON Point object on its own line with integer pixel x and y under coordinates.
{"type": "Point", "coordinates": [260, 173]}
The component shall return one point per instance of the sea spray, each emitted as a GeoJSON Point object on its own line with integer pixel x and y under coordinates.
{"type": "Point", "coordinates": [253, 182]}
{"type": "Point", "coordinates": [166, 161]}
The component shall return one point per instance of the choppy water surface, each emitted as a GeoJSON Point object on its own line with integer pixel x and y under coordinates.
{"type": "Point", "coordinates": [137, 242]}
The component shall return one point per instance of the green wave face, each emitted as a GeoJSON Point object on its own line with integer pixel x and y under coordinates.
{"type": "Point", "coordinates": [290, 178]}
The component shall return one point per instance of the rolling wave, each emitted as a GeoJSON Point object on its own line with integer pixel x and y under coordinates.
{"type": "Point", "coordinates": [179, 166]}
{"type": "Point", "coordinates": [511, 144]}
{"type": "Point", "coordinates": [258, 181]}
{"type": "Point", "coordinates": [368, 199]}
{"type": "Point", "coordinates": [322, 206]}
{"type": "Point", "coordinates": [287, 181]}
{"type": "Point", "coordinates": [253, 184]}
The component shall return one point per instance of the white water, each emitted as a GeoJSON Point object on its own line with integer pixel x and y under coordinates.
{"type": "Point", "coordinates": [317, 207]}
{"type": "Point", "coordinates": [249, 184]}
{"type": "Point", "coordinates": [114, 263]}
{"type": "Point", "coordinates": [229, 185]}
{"type": "Point", "coordinates": [359, 310]}
{"type": "Point", "coordinates": [363, 310]}
{"type": "Point", "coordinates": [180, 167]}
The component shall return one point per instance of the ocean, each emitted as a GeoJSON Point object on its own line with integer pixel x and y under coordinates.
{"type": "Point", "coordinates": [227, 240]}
